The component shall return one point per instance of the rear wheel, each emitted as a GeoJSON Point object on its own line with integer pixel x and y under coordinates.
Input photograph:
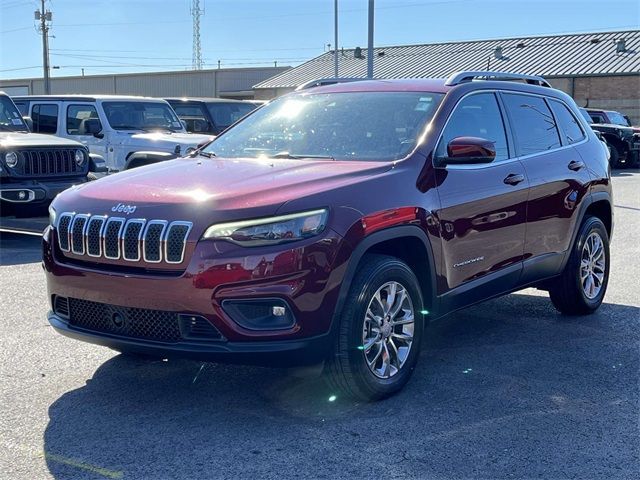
{"type": "Point", "coordinates": [581, 287]}
{"type": "Point", "coordinates": [380, 331]}
{"type": "Point", "coordinates": [614, 158]}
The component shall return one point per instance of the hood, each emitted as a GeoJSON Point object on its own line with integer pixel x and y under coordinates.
{"type": "Point", "coordinates": [216, 189]}
{"type": "Point", "coordinates": [173, 138]}
{"type": "Point", "coordinates": [17, 140]}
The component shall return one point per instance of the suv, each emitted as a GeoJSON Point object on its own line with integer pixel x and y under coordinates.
{"type": "Point", "coordinates": [334, 222]}
{"type": "Point", "coordinates": [34, 168]}
{"type": "Point", "coordinates": [127, 131]}
{"type": "Point", "coordinates": [209, 115]}
{"type": "Point", "coordinates": [622, 138]}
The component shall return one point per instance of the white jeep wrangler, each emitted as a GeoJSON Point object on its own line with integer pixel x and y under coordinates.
{"type": "Point", "coordinates": [127, 131]}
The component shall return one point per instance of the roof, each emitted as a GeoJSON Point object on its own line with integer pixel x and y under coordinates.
{"type": "Point", "coordinates": [203, 99]}
{"type": "Point", "coordinates": [87, 98]}
{"type": "Point", "coordinates": [585, 54]}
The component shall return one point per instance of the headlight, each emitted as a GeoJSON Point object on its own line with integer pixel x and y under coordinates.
{"type": "Point", "coordinates": [52, 215]}
{"type": "Point", "coordinates": [11, 159]}
{"type": "Point", "coordinates": [79, 157]}
{"type": "Point", "coordinates": [272, 230]}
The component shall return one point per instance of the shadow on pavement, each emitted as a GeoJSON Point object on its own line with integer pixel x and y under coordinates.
{"type": "Point", "coordinates": [18, 248]}
{"type": "Point", "coordinates": [508, 389]}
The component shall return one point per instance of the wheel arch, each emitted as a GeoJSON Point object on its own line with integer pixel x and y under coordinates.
{"type": "Point", "coordinates": [408, 243]}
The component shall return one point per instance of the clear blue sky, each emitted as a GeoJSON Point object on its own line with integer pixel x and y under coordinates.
{"type": "Point", "coordinates": [154, 35]}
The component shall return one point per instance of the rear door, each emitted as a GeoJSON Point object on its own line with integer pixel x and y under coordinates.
{"type": "Point", "coordinates": [483, 207]}
{"type": "Point", "coordinates": [545, 132]}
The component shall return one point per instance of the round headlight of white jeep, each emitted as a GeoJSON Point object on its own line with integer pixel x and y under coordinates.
{"type": "Point", "coordinates": [11, 159]}
{"type": "Point", "coordinates": [79, 157]}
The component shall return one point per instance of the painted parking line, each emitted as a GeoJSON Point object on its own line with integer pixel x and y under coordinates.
{"type": "Point", "coordinates": [105, 472]}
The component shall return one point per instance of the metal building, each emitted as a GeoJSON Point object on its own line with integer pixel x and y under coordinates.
{"type": "Point", "coordinates": [224, 82]}
{"type": "Point", "coordinates": [598, 69]}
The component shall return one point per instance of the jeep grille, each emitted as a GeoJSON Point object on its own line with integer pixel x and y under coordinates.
{"type": "Point", "coordinates": [44, 163]}
{"type": "Point", "coordinates": [117, 238]}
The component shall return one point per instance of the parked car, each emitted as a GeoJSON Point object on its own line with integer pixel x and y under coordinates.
{"type": "Point", "coordinates": [623, 140]}
{"type": "Point", "coordinates": [35, 168]}
{"type": "Point", "coordinates": [332, 224]}
{"type": "Point", "coordinates": [209, 115]}
{"type": "Point", "coordinates": [128, 131]}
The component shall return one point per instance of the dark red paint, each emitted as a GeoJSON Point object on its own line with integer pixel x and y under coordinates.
{"type": "Point", "coordinates": [466, 212]}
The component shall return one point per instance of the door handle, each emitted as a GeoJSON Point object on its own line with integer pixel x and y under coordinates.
{"type": "Point", "coordinates": [514, 179]}
{"type": "Point", "coordinates": [575, 165]}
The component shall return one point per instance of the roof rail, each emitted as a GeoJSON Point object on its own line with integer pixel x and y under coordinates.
{"type": "Point", "coordinates": [468, 76]}
{"type": "Point", "coordinates": [319, 82]}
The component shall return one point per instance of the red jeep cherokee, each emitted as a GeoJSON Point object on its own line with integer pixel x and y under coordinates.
{"type": "Point", "coordinates": [334, 222]}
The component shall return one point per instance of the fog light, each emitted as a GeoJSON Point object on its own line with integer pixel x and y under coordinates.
{"type": "Point", "coordinates": [260, 314]}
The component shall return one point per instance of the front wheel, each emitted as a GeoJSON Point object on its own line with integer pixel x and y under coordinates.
{"type": "Point", "coordinates": [581, 287]}
{"type": "Point", "coordinates": [380, 332]}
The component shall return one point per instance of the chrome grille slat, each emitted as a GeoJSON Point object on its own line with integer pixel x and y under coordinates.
{"type": "Point", "coordinates": [115, 238]}
{"type": "Point", "coordinates": [131, 239]}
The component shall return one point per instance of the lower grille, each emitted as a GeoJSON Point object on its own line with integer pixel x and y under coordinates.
{"type": "Point", "coordinates": [140, 323]}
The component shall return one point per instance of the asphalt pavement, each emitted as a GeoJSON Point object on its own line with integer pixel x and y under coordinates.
{"type": "Point", "coordinates": [507, 389]}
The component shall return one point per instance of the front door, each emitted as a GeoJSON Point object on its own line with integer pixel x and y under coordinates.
{"type": "Point", "coordinates": [81, 121]}
{"type": "Point", "coordinates": [482, 208]}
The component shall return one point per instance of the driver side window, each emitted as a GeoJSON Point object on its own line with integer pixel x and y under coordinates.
{"type": "Point", "coordinates": [477, 115]}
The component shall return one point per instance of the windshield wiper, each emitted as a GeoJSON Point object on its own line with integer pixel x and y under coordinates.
{"type": "Point", "coordinates": [130, 127]}
{"type": "Point", "coordinates": [291, 156]}
{"type": "Point", "coordinates": [205, 154]}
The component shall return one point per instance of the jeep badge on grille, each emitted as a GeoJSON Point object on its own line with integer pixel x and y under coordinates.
{"type": "Point", "coordinates": [121, 207]}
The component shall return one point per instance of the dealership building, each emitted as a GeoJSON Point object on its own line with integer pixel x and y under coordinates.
{"type": "Point", "coordinates": [221, 82]}
{"type": "Point", "coordinates": [597, 69]}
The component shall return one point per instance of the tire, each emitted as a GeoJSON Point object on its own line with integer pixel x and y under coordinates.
{"type": "Point", "coordinates": [569, 293]}
{"type": "Point", "coordinates": [614, 158]}
{"type": "Point", "coordinates": [347, 369]}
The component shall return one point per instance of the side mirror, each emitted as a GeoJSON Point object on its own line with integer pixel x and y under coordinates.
{"type": "Point", "coordinates": [29, 122]}
{"type": "Point", "coordinates": [468, 150]}
{"type": "Point", "coordinates": [184, 124]}
{"type": "Point", "coordinates": [93, 127]}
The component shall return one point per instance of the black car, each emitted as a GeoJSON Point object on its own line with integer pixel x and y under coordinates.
{"type": "Point", "coordinates": [34, 168]}
{"type": "Point", "coordinates": [209, 115]}
{"type": "Point", "coordinates": [622, 139]}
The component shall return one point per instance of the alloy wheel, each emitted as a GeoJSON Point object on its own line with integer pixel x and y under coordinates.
{"type": "Point", "coordinates": [592, 266]}
{"type": "Point", "coordinates": [388, 329]}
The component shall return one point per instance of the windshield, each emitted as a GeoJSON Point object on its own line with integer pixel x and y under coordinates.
{"type": "Point", "coordinates": [224, 114]}
{"type": "Point", "coordinates": [617, 119]}
{"type": "Point", "coordinates": [343, 126]}
{"type": "Point", "coordinates": [145, 116]}
{"type": "Point", "coordinates": [10, 119]}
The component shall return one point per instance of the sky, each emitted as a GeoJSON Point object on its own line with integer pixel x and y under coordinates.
{"type": "Point", "coordinates": [118, 36]}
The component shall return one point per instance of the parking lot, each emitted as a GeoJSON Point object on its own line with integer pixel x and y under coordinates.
{"type": "Point", "coordinates": [507, 389]}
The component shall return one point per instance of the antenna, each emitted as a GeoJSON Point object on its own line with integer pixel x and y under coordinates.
{"type": "Point", "coordinates": [196, 54]}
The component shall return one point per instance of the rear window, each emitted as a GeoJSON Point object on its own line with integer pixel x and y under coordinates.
{"type": "Point", "coordinates": [224, 114]}
{"type": "Point", "coordinates": [532, 123]}
{"type": "Point", "coordinates": [45, 118]}
{"type": "Point", "coordinates": [569, 125]}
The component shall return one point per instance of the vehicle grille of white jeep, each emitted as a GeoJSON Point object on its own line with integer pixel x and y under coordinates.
{"type": "Point", "coordinates": [114, 238]}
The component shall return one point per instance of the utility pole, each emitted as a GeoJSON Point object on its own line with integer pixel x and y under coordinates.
{"type": "Point", "coordinates": [370, 42]}
{"type": "Point", "coordinates": [196, 54]}
{"type": "Point", "coordinates": [43, 17]}
{"type": "Point", "coordinates": [335, 40]}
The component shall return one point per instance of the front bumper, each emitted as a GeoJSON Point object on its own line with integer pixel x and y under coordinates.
{"type": "Point", "coordinates": [34, 192]}
{"type": "Point", "coordinates": [306, 276]}
{"type": "Point", "coordinates": [284, 353]}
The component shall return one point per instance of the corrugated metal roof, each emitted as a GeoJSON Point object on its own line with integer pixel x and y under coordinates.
{"type": "Point", "coordinates": [549, 56]}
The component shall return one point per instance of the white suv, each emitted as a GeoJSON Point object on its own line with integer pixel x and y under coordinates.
{"type": "Point", "coordinates": [127, 131]}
